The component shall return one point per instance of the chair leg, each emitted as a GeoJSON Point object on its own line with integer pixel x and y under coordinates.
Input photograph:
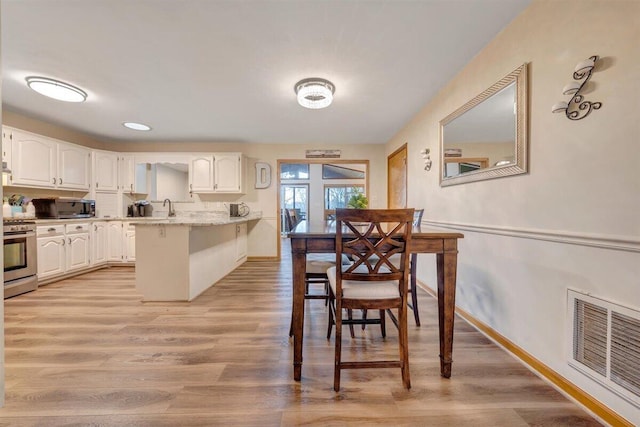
{"type": "Point", "coordinates": [383, 326]}
{"type": "Point", "coordinates": [414, 293]}
{"type": "Point", "coordinates": [403, 340]}
{"type": "Point", "coordinates": [291, 326]}
{"type": "Point", "coordinates": [364, 317]}
{"type": "Point", "coordinates": [337, 364]}
{"type": "Point", "coordinates": [331, 300]}
{"type": "Point", "coordinates": [350, 317]}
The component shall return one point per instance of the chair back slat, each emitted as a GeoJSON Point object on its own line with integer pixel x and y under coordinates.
{"type": "Point", "coordinates": [370, 237]}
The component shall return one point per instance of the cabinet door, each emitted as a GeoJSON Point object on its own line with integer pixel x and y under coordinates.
{"type": "Point", "coordinates": [130, 245]}
{"type": "Point", "coordinates": [51, 256]}
{"type": "Point", "coordinates": [74, 167]}
{"type": "Point", "coordinates": [99, 243]}
{"type": "Point", "coordinates": [201, 174]}
{"type": "Point", "coordinates": [114, 240]}
{"type": "Point", "coordinates": [227, 170]}
{"type": "Point", "coordinates": [77, 251]}
{"type": "Point", "coordinates": [241, 241]}
{"type": "Point", "coordinates": [6, 147]}
{"type": "Point", "coordinates": [126, 170]}
{"type": "Point", "coordinates": [105, 171]}
{"type": "Point", "coordinates": [33, 160]}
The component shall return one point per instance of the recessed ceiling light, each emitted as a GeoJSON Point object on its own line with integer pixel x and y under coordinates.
{"type": "Point", "coordinates": [56, 89]}
{"type": "Point", "coordinates": [136, 126]}
{"type": "Point", "coordinates": [314, 93]}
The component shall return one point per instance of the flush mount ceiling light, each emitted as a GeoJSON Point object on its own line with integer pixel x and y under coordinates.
{"type": "Point", "coordinates": [314, 93]}
{"type": "Point", "coordinates": [136, 126]}
{"type": "Point", "coordinates": [56, 89]}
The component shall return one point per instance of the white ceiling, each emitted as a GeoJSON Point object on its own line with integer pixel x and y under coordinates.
{"type": "Point", "coordinates": [224, 71]}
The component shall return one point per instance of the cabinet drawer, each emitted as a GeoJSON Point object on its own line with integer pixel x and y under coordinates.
{"type": "Point", "coordinates": [50, 230]}
{"type": "Point", "coordinates": [77, 228]}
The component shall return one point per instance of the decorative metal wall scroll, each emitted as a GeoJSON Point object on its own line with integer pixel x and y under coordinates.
{"type": "Point", "coordinates": [578, 108]}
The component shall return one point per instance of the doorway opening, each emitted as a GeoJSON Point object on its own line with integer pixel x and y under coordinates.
{"type": "Point", "coordinates": [311, 188]}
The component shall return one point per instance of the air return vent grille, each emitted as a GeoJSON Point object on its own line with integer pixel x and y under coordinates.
{"type": "Point", "coordinates": [606, 343]}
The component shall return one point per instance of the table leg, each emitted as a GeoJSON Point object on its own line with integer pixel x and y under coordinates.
{"type": "Point", "coordinates": [299, 262]}
{"type": "Point", "coordinates": [447, 263]}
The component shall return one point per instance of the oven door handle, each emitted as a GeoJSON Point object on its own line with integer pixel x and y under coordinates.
{"type": "Point", "coordinates": [19, 235]}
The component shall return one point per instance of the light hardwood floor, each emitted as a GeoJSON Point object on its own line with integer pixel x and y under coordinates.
{"type": "Point", "coordinates": [87, 351]}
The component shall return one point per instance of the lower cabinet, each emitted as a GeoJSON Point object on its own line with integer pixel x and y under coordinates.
{"type": "Point", "coordinates": [66, 248]}
{"type": "Point", "coordinates": [100, 243]}
{"type": "Point", "coordinates": [114, 239]}
{"type": "Point", "coordinates": [121, 242]}
{"type": "Point", "coordinates": [62, 249]}
{"type": "Point", "coordinates": [78, 248]}
{"type": "Point", "coordinates": [51, 251]}
{"type": "Point", "coordinates": [129, 242]}
{"type": "Point", "coordinates": [241, 241]}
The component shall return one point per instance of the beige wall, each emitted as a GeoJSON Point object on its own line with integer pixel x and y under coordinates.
{"type": "Point", "coordinates": [573, 221]}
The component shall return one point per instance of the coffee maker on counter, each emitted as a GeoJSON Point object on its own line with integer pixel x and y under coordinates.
{"type": "Point", "coordinates": [140, 208]}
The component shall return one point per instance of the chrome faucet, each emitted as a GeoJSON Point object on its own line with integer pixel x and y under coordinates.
{"type": "Point", "coordinates": [171, 211]}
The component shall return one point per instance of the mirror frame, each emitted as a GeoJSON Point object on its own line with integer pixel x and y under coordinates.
{"type": "Point", "coordinates": [520, 166]}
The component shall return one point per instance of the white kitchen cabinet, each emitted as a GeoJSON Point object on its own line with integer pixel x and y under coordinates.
{"type": "Point", "coordinates": [34, 160]}
{"type": "Point", "coordinates": [201, 174]}
{"type": "Point", "coordinates": [241, 241]}
{"type": "Point", "coordinates": [99, 242]}
{"type": "Point", "coordinates": [77, 247]}
{"type": "Point", "coordinates": [129, 243]}
{"type": "Point", "coordinates": [62, 248]}
{"type": "Point", "coordinates": [51, 251]}
{"type": "Point", "coordinates": [228, 173]}
{"type": "Point", "coordinates": [216, 173]}
{"type": "Point", "coordinates": [6, 147]}
{"type": "Point", "coordinates": [133, 177]}
{"type": "Point", "coordinates": [105, 170]}
{"type": "Point", "coordinates": [74, 167]}
{"type": "Point", "coordinates": [38, 161]}
{"type": "Point", "coordinates": [114, 241]}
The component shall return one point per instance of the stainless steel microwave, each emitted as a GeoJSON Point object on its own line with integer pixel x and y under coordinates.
{"type": "Point", "coordinates": [64, 208]}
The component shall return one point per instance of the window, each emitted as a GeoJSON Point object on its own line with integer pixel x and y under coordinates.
{"type": "Point", "coordinates": [294, 171]}
{"type": "Point", "coordinates": [337, 196]}
{"type": "Point", "coordinates": [330, 171]}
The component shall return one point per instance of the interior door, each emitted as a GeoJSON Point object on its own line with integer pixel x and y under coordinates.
{"type": "Point", "coordinates": [397, 178]}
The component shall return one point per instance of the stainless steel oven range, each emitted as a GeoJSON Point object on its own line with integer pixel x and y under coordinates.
{"type": "Point", "coordinates": [20, 262]}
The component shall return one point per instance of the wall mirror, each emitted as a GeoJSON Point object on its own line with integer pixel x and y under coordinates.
{"type": "Point", "coordinates": [487, 137]}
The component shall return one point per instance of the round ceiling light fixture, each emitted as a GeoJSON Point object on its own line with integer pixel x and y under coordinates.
{"type": "Point", "coordinates": [136, 126]}
{"type": "Point", "coordinates": [314, 92]}
{"type": "Point", "coordinates": [56, 89]}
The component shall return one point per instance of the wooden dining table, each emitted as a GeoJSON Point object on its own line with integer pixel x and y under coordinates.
{"type": "Point", "coordinates": [320, 237]}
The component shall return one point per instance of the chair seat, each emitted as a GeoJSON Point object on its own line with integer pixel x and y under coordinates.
{"type": "Point", "coordinates": [319, 266]}
{"type": "Point", "coordinates": [352, 289]}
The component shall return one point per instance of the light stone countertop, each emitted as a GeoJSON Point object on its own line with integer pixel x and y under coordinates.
{"type": "Point", "coordinates": [197, 220]}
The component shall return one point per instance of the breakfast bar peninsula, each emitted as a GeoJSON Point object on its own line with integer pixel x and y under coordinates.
{"type": "Point", "coordinates": [179, 258]}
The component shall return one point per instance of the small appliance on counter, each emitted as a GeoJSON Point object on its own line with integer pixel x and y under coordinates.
{"type": "Point", "coordinates": [64, 208]}
{"type": "Point", "coordinates": [140, 208]}
{"type": "Point", "coordinates": [238, 209]}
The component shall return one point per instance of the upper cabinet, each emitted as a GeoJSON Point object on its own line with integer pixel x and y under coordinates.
{"type": "Point", "coordinates": [201, 174]}
{"type": "Point", "coordinates": [133, 178]}
{"type": "Point", "coordinates": [6, 147]}
{"type": "Point", "coordinates": [38, 161]}
{"type": "Point", "coordinates": [216, 173]}
{"type": "Point", "coordinates": [74, 166]}
{"type": "Point", "coordinates": [105, 170]}
{"type": "Point", "coordinates": [42, 162]}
